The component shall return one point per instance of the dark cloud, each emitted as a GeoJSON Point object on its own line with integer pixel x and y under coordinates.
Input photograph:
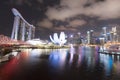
{"type": "Point", "coordinates": [49, 16]}
{"type": "Point", "coordinates": [77, 23]}
{"type": "Point", "coordinates": [22, 2]}
{"type": "Point", "coordinates": [103, 9]}
{"type": "Point", "coordinates": [45, 23]}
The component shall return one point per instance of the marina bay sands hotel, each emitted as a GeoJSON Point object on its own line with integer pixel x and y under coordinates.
{"type": "Point", "coordinates": [22, 30]}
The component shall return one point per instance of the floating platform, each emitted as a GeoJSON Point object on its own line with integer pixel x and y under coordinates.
{"type": "Point", "coordinates": [111, 53]}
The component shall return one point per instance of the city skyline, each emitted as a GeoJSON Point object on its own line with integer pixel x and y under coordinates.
{"type": "Point", "coordinates": [70, 16]}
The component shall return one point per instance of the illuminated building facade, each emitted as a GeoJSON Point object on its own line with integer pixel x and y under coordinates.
{"type": "Point", "coordinates": [114, 34]}
{"type": "Point", "coordinates": [22, 30]}
{"type": "Point", "coordinates": [58, 40]}
{"type": "Point", "coordinates": [74, 38]}
{"type": "Point", "coordinates": [111, 35]}
{"type": "Point", "coordinates": [105, 33]}
{"type": "Point", "coordinates": [90, 37]}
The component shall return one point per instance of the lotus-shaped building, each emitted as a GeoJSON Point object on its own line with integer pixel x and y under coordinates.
{"type": "Point", "coordinates": [58, 39]}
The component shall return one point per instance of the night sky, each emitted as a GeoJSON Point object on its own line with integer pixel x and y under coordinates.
{"type": "Point", "coordinates": [70, 16]}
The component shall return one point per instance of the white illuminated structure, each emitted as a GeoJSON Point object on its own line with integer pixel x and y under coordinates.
{"type": "Point", "coordinates": [22, 30]}
{"type": "Point", "coordinates": [58, 40]}
{"type": "Point", "coordinates": [114, 32]}
{"type": "Point", "coordinates": [36, 42]}
{"type": "Point", "coordinates": [90, 37]}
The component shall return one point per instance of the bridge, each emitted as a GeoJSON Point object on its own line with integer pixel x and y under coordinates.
{"type": "Point", "coordinates": [22, 30]}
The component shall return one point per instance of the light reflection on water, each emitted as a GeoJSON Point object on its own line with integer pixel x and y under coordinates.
{"type": "Point", "coordinates": [83, 63]}
{"type": "Point", "coordinates": [87, 57]}
{"type": "Point", "coordinates": [57, 58]}
{"type": "Point", "coordinates": [107, 61]}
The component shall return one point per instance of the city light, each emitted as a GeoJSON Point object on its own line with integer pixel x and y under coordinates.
{"type": "Point", "coordinates": [61, 40]}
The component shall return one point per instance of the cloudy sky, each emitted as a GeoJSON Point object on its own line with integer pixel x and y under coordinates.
{"type": "Point", "coordinates": [70, 16]}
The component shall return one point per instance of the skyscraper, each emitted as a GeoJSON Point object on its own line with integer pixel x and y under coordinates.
{"type": "Point", "coordinates": [90, 37]}
{"type": "Point", "coordinates": [105, 33]}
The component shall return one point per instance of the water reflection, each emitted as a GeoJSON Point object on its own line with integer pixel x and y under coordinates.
{"type": "Point", "coordinates": [107, 61]}
{"type": "Point", "coordinates": [81, 63]}
{"type": "Point", "coordinates": [39, 52]}
{"type": "Point", "coordinates": [74, 57]}
{"type": "Point", "coordinates": [57, 58]}
{"type": "Point", "coordinates": [8, 69]}
{"type": "Point", "coordinates": [87, 57]}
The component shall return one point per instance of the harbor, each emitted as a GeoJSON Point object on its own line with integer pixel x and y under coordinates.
{"type": "Point", "coordinates": [60, 40]}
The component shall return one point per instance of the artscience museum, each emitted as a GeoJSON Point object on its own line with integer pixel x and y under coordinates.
{"type": "Point", "coordinates": [60, 40]}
